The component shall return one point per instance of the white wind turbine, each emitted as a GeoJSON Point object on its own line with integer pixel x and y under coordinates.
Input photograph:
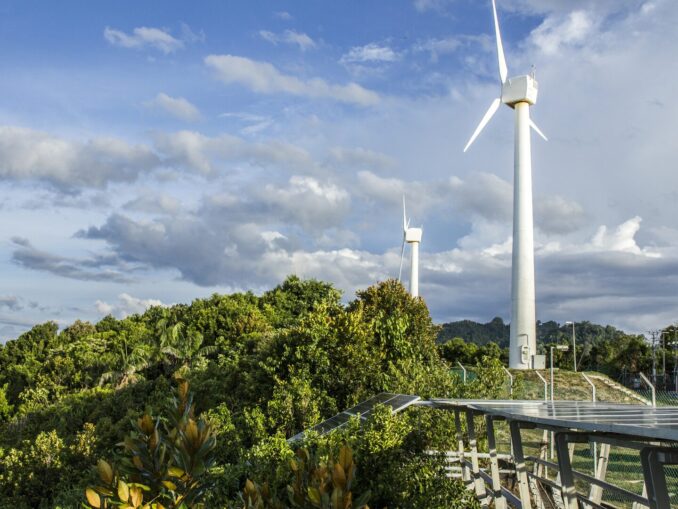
{"type": "Point", "coordinates": [411, 236]}
{"type": "Point", "coordinates": [519, 93]}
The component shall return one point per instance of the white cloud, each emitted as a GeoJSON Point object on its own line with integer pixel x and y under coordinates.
{"type": "Point", "coordinates": [256, 123]}
{"type": "Point", "coordinates": [176, 106]}
{"type": "Point", "coordinates": [284, 15]}
{"type": "Point", "coordinates": [153, 203]}
{"type": "Point", "coordinates": [437, 47]}
{"type": "Point", "coordinates": [622, 239]}
{"type": "Point", "coordinates": [31, 155]}
{"type": "Point", "coordinates": [308, 202]}
{"type": "Point", "coordinates": [265, 78]}
{"type": "Point", "coordinates": [557, 31]}
{"type": "Point", "coordinates": [143, 37]}
{"type": "Point", "coordinates": [428, 5]}
{"type": "Point", "coordinates": [300, 39]}
{"type": "Point", "coordinates": [369, 53]}
{"type": "Point", "coordinates": [199, 152]}
{"type": "Point", "coordinates": [126, 305]}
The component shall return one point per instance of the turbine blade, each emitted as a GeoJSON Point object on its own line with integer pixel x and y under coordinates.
{"type": "Point", "coordinates": [402, 254]}
{"type": "Point", "coordinates": [534, 126]}
{"type": "Point", "coordinates": [404, 215]}
{"type": "Point", "coordinates": [503, 70]}
{"type": "Point", "coordinates": [488, 115]}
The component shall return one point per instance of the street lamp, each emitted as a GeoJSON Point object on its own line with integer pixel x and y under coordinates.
{"type": "Point", "coordinates": [661, 336]}
{"type": "Point", "coordinates": [564, 348]}
{"type": "Point", "coordinates": [574, 346]}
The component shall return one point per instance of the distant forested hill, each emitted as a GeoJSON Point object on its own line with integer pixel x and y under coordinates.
{"type": "Point", "coordinates": [498, 332]}
{"type": "Point", "coordinates": [479, 333]}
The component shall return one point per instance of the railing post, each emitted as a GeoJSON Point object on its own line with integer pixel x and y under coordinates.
{"type": "Point", "coordinates": [654, 392]}
{"type": "Point", "coordinates": [510, 381]}
{"type": "Point", "coordinates": [463, 370]}
{"type": "Point", "coordinates": [546, 385]}
{"type": "Point", "coordinates": [593, 398]}
{"type": "Point", "coordinates": [498, 497]}
{"type": "Point", "coordinates": [593, 387]}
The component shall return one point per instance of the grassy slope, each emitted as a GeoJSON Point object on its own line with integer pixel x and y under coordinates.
{"type": "Point", "coordinates": [572, 386]}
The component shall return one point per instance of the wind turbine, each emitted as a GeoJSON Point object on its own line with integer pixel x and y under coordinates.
{"type": "Point", "coordinates": [411, 236]}
{"type": "Point", "coordinates": [519, 93]}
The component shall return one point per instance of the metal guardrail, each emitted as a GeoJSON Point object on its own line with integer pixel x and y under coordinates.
{"type": "Point", "coordinates": [566, 482]}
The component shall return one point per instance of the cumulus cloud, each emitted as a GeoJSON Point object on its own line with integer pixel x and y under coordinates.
{"type": "Point", "coordinates": [570, 29]}
{"type": "Point", "coordinates": [244, 255]}
{"type": "Point", "coordinates": [284, 15]}
{"type": "Point", "coordinates": [176, 106]}
{"type": "Point", "coordinates": [255, 123]}
{"type": "Point", "coordinates": [310, 203]}
{"type": "Point", "coordinates": [72, 166]}
{"type": "Point", "coordinates": [300, 39]}
{"type": "Point", "coordinates": [369, 53]}
{"type": "Point", "coordinates": [622, 239]}
{"type": "Point", "coordinates": [436, 47]}
{"type": "Point", "coordinates": [154, 203]}
{"type": "Point", "coordinates": [480, 195]}
{"type": "Point", "coordinates": [428, 5]}
{"type": "Point", "coordinates": [10, 302]}
{"type": "Point", "coordinates": [95, 268]}
{"type": "Point", "coordinates": [26, 154]}
{"type": "Point", "coordinates": [144, 37]}
{"type": "Point", "coordinates": [198, 152]}
{"type": "Point", "coordinates": [264, 78]}
{"type": "Point", "coordinates": [126, 305]}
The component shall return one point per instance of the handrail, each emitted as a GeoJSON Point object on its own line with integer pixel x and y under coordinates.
{"type": "Point", "coordinates": [463, 369]}
{"type": "Point", "coordinates": [593, 387]}
{"type": "Point", "coordinates": [546, 385]}
{"type": "Point", "coordinates": [510, 381]}
{"type": "Point", "coordinates": [654, 392]}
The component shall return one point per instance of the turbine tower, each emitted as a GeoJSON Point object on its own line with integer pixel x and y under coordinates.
{"type": "Point", "coordinates": [411, 236]}
{"type": "Point", "coordinates": [519, 93]}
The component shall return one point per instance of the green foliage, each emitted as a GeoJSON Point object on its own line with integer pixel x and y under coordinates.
{"type": "Point", "coordinates": [261, 368]}
{"type": "Point", "coordinates": [317, 482]}
{"type": "Point", "coordinates": [167, 461]}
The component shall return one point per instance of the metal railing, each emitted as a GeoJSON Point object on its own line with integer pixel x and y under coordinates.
{"type": "Point", "coordinates": [652, 388]}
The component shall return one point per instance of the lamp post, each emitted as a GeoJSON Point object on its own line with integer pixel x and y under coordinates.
{"type": "Point", "coordinates": [574, 346]}
{"type": "Point", "coordinates": [564, 348]}
{"type": "Point", "coordinates": [662, 334]}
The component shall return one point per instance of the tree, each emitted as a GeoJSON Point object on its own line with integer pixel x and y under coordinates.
{"type": "Point", "coordinates": [132, 361]}
{"type": "Point", "coordinates": [167, 461]}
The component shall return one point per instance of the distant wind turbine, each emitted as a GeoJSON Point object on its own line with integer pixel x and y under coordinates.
{"type": "Point", "coordinates": [519, 93]}
{"type": "Point", "coordinates": [411, 236]}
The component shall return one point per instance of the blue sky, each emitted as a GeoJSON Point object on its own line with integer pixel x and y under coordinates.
{"type": "Point", "coordinates": [154, 153]}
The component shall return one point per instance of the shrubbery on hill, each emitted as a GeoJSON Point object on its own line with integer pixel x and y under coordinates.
{"type": "Point", "coordinates": [261, 369]}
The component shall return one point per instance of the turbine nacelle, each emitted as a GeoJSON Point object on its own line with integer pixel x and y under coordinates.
{"type": "Point", "coordinates": [413, 235]}
{"type": "Point", "coordinates": [519, 89]}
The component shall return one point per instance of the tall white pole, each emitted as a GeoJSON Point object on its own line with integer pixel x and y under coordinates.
{"type": "Point", "coordinates": [523, 316]}
{"type": "Point", "coordinates": [414, 266]}
{"type": "Point", "coordinates": [574, 347]}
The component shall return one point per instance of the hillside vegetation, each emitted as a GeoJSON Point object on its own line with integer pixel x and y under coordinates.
{"type": "Point", "coordinates": [599, 348]}
{"type": "Point", "coordinates": [190, 406]}
{"type": "Point", "coordinates": [249, 371]}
